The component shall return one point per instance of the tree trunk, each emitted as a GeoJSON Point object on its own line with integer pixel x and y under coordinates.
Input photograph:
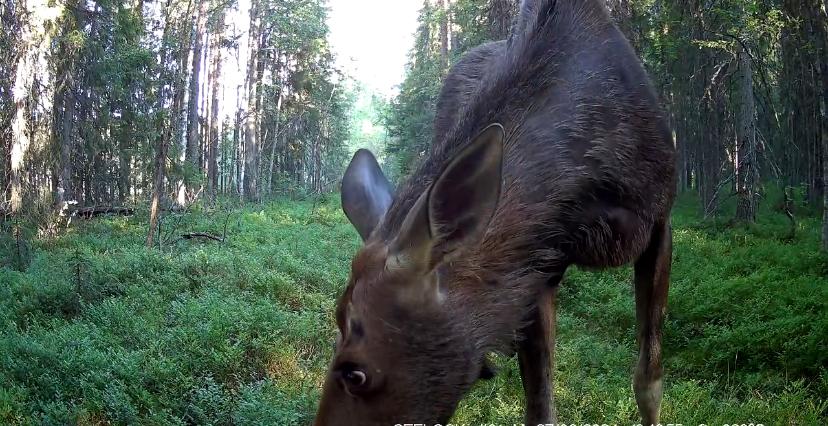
{"type": "Point", "coordinates": [820, 18]}
{"type": "Point", "coordinates": [63, 192]}
{"type": "Point", "coordinates": [442, 5]}
{"type": "Point", "coordinates": [501, 13]}
{"type": "Point", "coordinates": [238, 149]}
{"type": "Point", "coordinates": [20, 136]}
{"type": "Point", "coordinates": [748, 173]}
{"type": "Point", "coordinates": [260, 135]}
{"type": "Point", "coordinates": [280, 89]}
{"type": "Point", "coordinates": [191, 159]}
{"type": "Point", "coordinates": [158, 184]}
{"type": "Point", "coordinates": [250, 129]}
{"type": "Point", "coordinates": [179, 118]}
{"type": "Point", "coordinates": [166, 134]}
{"type": "Point", "coordinates": [825, 176]}
{"type": "Point", "coordinates": [622, 13]}
{"type": "Point", "coordinates": [212, 164]}
{"type": "Point", "coordinates": [125, 154]}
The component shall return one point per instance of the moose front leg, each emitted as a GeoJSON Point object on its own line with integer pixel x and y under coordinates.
{"type": "Point", "coordinates": [536, 354]}
{"type": "Point", "coordinates": [652, 280]}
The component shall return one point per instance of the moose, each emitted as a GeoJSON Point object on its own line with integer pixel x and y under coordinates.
{"type": "Point", "coordinates": [550, 150]}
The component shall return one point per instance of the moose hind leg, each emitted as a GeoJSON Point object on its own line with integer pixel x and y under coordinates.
{"type": "Point", "coordinates": [536, 355]}
{"type": "Point", "coordinates": [652, 280]}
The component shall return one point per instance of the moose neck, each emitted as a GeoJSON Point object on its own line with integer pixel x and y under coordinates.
{"type": "Point", "coordinates": [493, 283]}
{"type": "Point", "coordinates": [492, 302]}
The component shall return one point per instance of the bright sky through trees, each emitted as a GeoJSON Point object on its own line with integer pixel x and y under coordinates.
{"type": "Point", "coordinates": [371, 39]}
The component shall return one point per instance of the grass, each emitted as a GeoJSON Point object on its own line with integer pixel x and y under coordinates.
{"type": "Point", "coordinates": [100, 330]}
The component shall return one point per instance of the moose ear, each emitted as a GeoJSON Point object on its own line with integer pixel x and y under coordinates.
{"type": "Point", "coordinates": [366, 193]}
{"type": "Point", "coordinates": [458, 206]}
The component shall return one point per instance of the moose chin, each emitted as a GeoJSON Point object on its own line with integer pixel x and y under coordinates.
{"type": "Point", "coordinates": [550, 149]}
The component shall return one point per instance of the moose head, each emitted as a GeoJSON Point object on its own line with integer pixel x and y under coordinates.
{"type": "Point", "coordinates": [402, 355]}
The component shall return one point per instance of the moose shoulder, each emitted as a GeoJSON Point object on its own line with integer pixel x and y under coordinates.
{"type": "Point", "coordinates": [550, 150]}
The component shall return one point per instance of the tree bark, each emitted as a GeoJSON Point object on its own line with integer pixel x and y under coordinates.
{"type": "Point", "coordinates": [280, 89]}
{"type": "Point", "coordinates": [238, 148]}
{"type": "Point", "coordinates": [747, 171]}
{"type": "Point", "coordinates": [622, 13]}
{"type": "Point", "coordinates": [191, 159]}
{"type": "Point", "coordinates": [260, 135]}
{"type": "Point", "coordinates": [161, 155]}
{"type": "Point", "coordinates": [167, 122]}
{"type": "Point", "coordinates": [212, 164]}
{"type": "Point", "coordinates": [501, 13]}
{"type": "Point", "coordinates": [158, 185]}
{"type": "Point", "coordinates": [125, 155]}
{"type": "Point", "coordinates": [20, 137]}
{"type": "Point", "coordinates": [442, 5]}
{"type": "Point", "coordinates": [65, 101]}
{"type": "Point", "coordinates": [250, 127]}
{"type": "Point", "coordinates": [820, 18]}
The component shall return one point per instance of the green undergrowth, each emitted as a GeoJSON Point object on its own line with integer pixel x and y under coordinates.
{"type": "Point", "coordinates": [99, 329]}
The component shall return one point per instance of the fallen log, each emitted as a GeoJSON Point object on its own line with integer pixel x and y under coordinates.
{"type": "Point", "coordinates": [90, 212]}
{"type": "Point", "coordinates": [191, 235]}
{"type": "Point", "coordinates": [94, 211]}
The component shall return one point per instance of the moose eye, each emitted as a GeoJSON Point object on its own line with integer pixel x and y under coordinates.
{"type": "Point", "coordinates": [355, 378]}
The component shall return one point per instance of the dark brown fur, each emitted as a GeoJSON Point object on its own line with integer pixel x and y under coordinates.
{"type": "Point", "coordinates": [588, 179]}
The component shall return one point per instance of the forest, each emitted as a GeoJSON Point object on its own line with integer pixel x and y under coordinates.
{"type": "Point", "coordinates": [172, 243]}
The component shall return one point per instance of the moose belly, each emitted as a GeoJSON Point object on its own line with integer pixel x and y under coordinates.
{"type": "Point", "coordinates": [610, 236]}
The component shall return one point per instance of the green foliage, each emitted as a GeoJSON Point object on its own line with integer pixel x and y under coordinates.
{"type": "Point", "coordinates": [101, 329]}
{"type": "Point", "coordinates": [368, 118]}
{"type": "Point", "coordinates": [314, 117]}
{"type": "Point", "coordinates": [409, 116]}
{"type": "Point", "coordinates": [115, 82]}
{"type": "Point", "coordinates": [691, 51]}
{"type": "Point", "coordinates": [411, 112]}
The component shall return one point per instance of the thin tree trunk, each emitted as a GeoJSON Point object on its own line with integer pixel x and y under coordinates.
{"type": "Point", "coordinates": [444, 33]}
{"type": "Point", "coordinates": [250, 131]}
{"type": "Point", "coordinates": [191, 158]}
{"type": "Point", "coordinates": [212, 165]}
{"type": "Point", "coordinates": [204, 106]}
{"type": "Point", "coordinates": [125, 157]}
{"type": "Point", "coordinates": [280, 94]}
{"type": "Point", "coordinates": [179, 121]}
{"type": "Point", "coordinates": [64, 189]}
{"type": "Point", "coordinates": [158, 185]}
{"type": "Point", "coordinates": [500, 17]}
{"type": "Point", "coordinates": [238, 149]}
{"type": "Point", "coordinates": [163, 148]}
{"type": "Point", "coordinates": [825, 177]}
{"type": "Point", "coordinates": [623, 14]}
{"type": "Point", "coordinates": [167, 127]}
{"type": "Point", "coordinates": [260, 130]}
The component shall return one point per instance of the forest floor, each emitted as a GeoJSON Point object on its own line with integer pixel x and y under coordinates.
{"type": "Point", "coordinates": [99, 329]}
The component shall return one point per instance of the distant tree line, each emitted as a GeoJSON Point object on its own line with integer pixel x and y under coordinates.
{"type": "Point", "coordinates": [122, 101]}
{"type": "Point", "coordinates": [744, 82]}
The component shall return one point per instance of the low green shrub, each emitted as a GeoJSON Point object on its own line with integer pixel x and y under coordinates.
{"type": "Point", "coordinates": [100, 329]}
